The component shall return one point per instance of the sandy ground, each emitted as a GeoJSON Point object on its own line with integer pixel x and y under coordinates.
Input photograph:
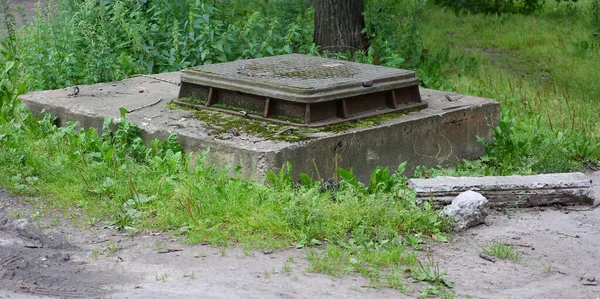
{"type": "Point", "coordinates": [47, 256]}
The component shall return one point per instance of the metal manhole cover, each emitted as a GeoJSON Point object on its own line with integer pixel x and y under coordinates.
{"type": "Point", "coordinates": [300, 89]}
{"type": "Point", "coordinates": [294, 69]}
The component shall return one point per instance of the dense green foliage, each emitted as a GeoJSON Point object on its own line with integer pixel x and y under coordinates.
{"type": "Point", "coordinates": [75, 42]}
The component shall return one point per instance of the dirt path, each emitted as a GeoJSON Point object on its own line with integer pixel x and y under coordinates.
{"type": "Point", "coordinates": [560, 249]}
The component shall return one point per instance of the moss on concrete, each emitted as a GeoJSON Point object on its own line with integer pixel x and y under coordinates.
{"type": "Point", "coordinates": [226, 125]}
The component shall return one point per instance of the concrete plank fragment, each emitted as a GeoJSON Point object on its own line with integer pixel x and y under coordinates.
{"type": "Point", "coordinates": [531, 190]}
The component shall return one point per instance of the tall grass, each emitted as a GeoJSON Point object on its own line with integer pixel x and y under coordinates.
{"type": "Point", "coordinates": [543, 69]}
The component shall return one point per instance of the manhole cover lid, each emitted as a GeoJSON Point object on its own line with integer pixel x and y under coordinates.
{"type": "Point", "coordinates": [300, 78]}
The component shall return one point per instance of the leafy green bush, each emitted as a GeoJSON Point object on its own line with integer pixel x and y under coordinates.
{"type": "Point", "coordinates": [77, 42]}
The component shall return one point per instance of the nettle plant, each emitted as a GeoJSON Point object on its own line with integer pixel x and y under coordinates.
{"type": "Point", "coordinates": [78, 42]}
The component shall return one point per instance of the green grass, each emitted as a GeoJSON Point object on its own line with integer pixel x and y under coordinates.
{"type": "Point", "coordinates": [542, 68]}
{"type": "Point", "coordinates": [502, 251]}
{"type": "Point", "coordinates": [528, 63]}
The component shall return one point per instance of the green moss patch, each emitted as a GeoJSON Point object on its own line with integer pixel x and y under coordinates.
{"type": "Point", "coordinates": [226, 125]}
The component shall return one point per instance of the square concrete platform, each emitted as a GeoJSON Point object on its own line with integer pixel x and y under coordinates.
{"type": "Point", "coordinates": [443, 133]}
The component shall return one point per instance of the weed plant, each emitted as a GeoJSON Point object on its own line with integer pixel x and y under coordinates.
{"type": "Point", "coordinates": [502, 251]}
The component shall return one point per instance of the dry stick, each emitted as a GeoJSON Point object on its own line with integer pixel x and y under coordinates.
{"type": "Point", "coordinates": [114, 158]}
{"type": "Point", "coordinates": [487, 257]}
{"type": "Point", "coordinates": [336, 168]}
{"type": "Point", "coordinates": [162, 180]}
{"type": "Point", "coordinates": [156, 78]}
{"type": "Point", "coordinates": [516, 244]}
{"type": "Point", "coordinates": [83, 178]}
{"type": "Point", "coordinates": [567, 235]}
{"type": "Point", "coordinates": [81, 172]}
{"type": "Point", "coordinates": [572, 109]}
{"type": "Point", "coordinates": [132, 191]}
{"type": "Point", "coordinates": [288, 129]}
{"type": "Point", "coordinates": [317, 170]}
{"type": "Point", "coordinates": [145, 106]}
{"type": "Point", "coordinates": [170, 250]}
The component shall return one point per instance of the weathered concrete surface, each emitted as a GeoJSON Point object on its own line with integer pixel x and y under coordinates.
{"type": "Point", "coordinates": [468, 209]}
{"type": "Point", "coordinates": [595, 177]}
{"type": "Point", "coordinates": [441, 134]}
{"type": "Point", "coordinates": [524, 191]}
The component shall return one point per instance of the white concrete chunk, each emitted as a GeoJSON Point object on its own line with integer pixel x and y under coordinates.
{"type": "Point", "coordinates": [468, 209]}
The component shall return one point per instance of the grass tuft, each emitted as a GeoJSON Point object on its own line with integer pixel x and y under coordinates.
{"type": "Point", "coordinates": [502, 251]}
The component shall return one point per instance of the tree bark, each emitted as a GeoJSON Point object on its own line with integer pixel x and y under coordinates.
{"type": "Point", "coordinates": [339, 25]}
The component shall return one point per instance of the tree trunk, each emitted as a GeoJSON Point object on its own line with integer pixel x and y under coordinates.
{"type": "Point", "coordinates": [338, 25]}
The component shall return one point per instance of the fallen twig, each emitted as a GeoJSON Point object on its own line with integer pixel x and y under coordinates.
{"type": "Point", "coordinates": [288, 129]}
{"type": "Point", "coordinates": [487, 257]}
{"type": "Point", "coordinates": [572, 236]}
{"type": "Point", "coordinates": [156, 78]}
{"type": "Point", "coordinates": [519, 245]}
{"type": "Point", "coordinates": [144, 106]}
{"type": "Point", "coordinates": [170, 250]}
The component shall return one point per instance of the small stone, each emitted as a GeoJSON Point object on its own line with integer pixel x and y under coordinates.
{"type": "Point", "coordinates": [591, 279]}
{"type": "Point", "coordinates": [234, 132]}
{"type": "Point", "coordinates": [20, 223]}
{"type": "Point", "coordinates": [467, 209]}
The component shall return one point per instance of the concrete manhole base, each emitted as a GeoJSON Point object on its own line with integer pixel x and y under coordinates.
{"type": "Point", "coordinates": [443, 133]}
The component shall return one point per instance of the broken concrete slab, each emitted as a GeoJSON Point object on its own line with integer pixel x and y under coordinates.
{"type": "Point", "coordinates": [522, 191]}
{"type": "Point", "coordinates": [595, 177]}
{"type": "Point", "coordinates": [443, 133]}
{"type": "Point", "coordinates": [468, 209]}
